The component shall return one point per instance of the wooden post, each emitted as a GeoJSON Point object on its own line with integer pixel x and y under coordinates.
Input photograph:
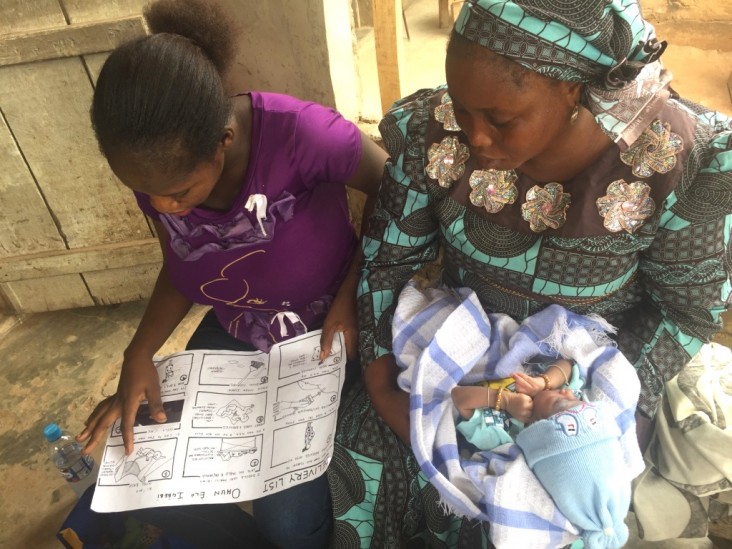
{"type": "Point", "coordinates": [388, 41]}
{"type": "Point", "coordinates": [443, 10]}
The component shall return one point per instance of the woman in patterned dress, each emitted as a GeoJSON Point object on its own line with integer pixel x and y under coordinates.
{"type": "Point", "coordinates": [556, 166]}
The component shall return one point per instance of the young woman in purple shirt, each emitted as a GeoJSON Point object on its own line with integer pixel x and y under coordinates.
{"type": "Point", "coordinates": [247, 193]}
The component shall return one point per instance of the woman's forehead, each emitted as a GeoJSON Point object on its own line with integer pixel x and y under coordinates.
{"type": "Point", "coordinates": [486, 87]}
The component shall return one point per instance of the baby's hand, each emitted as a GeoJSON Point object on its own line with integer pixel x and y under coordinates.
{"type": "Point", "coordinates": [467, 398]}
{"type": "Point", "coordinates": [518, 405]}
{"type": "Point", "coordinates": [528, 385]}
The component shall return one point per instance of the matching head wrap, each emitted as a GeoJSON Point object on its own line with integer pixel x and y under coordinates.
{"type": "Point", "coordinates": [605, 44]}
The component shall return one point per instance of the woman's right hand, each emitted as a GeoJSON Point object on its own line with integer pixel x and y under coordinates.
{"type": "Point", "coordinates": [138, 381]}
{"type": "Point", "coordinates": [389, 401]}
{"type": "Point", "coordinates": [393, 407]}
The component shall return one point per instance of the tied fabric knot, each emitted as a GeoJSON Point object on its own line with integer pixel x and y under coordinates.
{"type": "Point", "coordinates": [258, 202]}
{"type": "Point", "coordinates": [294, 320]}
{"type": "Point", "coordinates": [626, 70]}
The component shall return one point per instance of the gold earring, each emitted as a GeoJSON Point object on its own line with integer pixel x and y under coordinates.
{"type": "Point", "coordinates": [575, 114]}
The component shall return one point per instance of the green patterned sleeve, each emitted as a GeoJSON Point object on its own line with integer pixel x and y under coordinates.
{"type": "Point", "coordinates": [401, 235]}
{"type": "Point", "coordinates": [687, 269]}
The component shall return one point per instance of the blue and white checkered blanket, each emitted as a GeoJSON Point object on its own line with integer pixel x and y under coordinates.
{"type": "Point", "coordinates": [443, 338]}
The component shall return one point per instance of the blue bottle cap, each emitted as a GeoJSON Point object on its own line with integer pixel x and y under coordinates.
{"type": "Point", "coordinates": [52, 432]}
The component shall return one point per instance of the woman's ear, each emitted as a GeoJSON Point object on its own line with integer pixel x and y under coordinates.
{"type": "Point", "coordinates": [572, 91]}
{"type": "Point", "coordinates": [228, 138]}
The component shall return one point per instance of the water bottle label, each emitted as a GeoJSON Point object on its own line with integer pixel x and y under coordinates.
{"type": "Point", "coordinates": [78, 470]}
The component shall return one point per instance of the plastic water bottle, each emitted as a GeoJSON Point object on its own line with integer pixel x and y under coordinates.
{"type": "Point", "coordinates": [65, 454]}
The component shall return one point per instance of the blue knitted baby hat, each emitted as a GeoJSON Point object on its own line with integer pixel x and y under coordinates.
{"type": "Point", "coordinates": [577, 457]}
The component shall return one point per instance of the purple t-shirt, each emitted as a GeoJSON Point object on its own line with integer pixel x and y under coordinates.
{"type": "Point", "coordinates": [271, 270]}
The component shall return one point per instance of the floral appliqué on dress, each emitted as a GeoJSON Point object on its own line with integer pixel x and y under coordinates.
{"type": "Point", "coordinates": [626, 206]}
{"type": "Point", "coordinates": [546, 207]}
{"type": "Point", "coordinates": [654, 151]}
{"type": "Point", "coordinates": [493, 189]}
{"type": "Point", "coordinates": [447, 161]}
{"type": "Point", "coordinates": [445, 113]}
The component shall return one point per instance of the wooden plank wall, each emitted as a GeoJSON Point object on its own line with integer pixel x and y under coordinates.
{"type": "Point", "coordinates": [70, 234]}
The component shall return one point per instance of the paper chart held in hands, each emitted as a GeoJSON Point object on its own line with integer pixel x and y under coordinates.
{"type": "Point", "coordinates": [240, 426]}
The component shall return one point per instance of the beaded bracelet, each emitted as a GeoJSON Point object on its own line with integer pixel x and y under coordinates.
{"type": "Point", "coordinates": [499, 397]}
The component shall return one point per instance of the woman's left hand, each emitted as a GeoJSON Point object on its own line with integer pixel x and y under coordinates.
{"type": "Point", "coordinates": [341, 317]}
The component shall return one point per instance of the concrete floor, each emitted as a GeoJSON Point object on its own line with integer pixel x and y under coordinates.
{"type": "Point", "coordinates": [58, 365]}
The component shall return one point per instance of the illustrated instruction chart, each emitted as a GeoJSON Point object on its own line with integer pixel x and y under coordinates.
{"type": "Point", "coordinates": [239, 426]}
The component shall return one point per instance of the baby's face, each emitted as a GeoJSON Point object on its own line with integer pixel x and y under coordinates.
{"type": "Point", "coordinates": [548, 403]}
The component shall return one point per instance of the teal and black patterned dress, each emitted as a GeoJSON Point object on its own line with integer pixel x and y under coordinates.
{"type": "Point", "coordinates": [644, 242]}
